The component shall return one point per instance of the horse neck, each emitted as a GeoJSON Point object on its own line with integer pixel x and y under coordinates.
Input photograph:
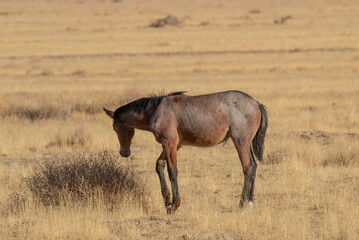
{"type": "Point", "coordinates": [137, 120]}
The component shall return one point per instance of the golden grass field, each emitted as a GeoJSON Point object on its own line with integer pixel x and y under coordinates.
{"type": "Point", "coordinates": [62, 61]}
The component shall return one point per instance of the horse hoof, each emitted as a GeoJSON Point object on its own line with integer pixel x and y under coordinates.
{"type": "Point", "coordinates": [245, 204]}
{"type": "Point", "coordinates": [169, 209]}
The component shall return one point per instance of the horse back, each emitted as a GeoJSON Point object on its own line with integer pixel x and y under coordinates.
{"type": "Point", "coordinates": [202, 120]}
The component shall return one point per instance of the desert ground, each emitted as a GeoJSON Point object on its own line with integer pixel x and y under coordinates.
{"type": "Point", "coordinates": [62, 61]}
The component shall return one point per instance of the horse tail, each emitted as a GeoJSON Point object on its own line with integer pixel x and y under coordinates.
{"type": "Point", "coordinates": [258, 140]}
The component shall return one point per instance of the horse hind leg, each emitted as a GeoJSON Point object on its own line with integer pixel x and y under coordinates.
{"type": "Point", "coordinates": [249, 170]}
{"type": "Point", "coordinates": [254, 164]}
{"type": "Point", "coordinates": [248, 187]}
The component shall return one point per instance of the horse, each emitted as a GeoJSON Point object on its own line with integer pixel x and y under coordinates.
{"type": "Point", "coordinates": [178, 119]}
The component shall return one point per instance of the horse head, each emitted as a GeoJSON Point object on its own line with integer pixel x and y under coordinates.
{"type": "Point", "coordinates": [124, 133]}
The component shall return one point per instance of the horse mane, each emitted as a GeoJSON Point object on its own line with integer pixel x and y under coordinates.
{"type": "Point", "coordinates": [143, 104]}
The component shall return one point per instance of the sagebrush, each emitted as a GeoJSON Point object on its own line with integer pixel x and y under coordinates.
{"type": "Point", "coordinates": [86, 178]}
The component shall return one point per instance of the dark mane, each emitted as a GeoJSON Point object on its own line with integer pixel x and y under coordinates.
{"type": "Point", "coordinates": [144, 104]}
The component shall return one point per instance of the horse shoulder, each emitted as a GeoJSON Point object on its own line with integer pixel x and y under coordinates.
{"type": "Point", "coordinates": [163, 122]}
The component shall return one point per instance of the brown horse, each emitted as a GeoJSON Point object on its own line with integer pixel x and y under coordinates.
{"type": "Point", "coordinates": [205, 120]}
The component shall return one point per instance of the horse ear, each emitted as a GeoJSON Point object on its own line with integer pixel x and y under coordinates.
{"type": "Point", "coordinates": [109, 113]}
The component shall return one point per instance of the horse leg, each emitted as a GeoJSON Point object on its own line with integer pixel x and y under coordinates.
{"type": "Point", "coordinates": [253, 162]}
{"type": "Point", "coordinates": [249, 170]}
{"type": "Point", "coordinates": [171, 155]}
{"type": "Point", "coordinates": [160, 165]}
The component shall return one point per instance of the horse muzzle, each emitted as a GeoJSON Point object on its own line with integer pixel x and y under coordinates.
{"type": "Point", "coordinates": [125, 153]}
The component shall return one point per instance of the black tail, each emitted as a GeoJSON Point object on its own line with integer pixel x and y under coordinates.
{"type": "Point", "coordinates": [258, 140]}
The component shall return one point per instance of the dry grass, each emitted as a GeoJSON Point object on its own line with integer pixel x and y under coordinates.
{"type": "Point", "coordinates": [60, 105]}
{"type": "Point", "coordinates": [62, 61]}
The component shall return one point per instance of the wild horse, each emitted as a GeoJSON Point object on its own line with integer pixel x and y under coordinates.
{"type": "Point", "coordinates": [206, 120]}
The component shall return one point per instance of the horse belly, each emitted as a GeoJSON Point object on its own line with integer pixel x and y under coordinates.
{"type": "Point", "coordinates": [204, 136]}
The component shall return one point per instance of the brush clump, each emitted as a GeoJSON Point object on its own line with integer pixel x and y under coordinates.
{"type": "Point", "coordinates": [84, 178]}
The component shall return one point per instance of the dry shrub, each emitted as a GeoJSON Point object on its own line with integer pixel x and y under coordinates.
{"type": "Point", "coordinates": [169, 20]}
{"type": "Point", "coordinates": [86, 178]}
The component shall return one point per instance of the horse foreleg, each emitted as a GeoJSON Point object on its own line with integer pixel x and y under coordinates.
{"type": "Point", "coordinates": [160, 165]}
{"type": "Point", "coordinates": [172, 172]}
{"type": "Point", "coordinates": [171, 154]}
